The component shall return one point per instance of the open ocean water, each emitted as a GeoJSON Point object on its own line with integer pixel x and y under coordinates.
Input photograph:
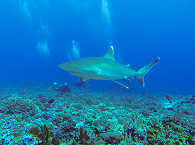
{"type": "Point", "coordinates": [103, 44]}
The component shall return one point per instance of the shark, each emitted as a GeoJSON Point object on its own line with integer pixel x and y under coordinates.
{"type": "Point", "coordinates": [106, 68]}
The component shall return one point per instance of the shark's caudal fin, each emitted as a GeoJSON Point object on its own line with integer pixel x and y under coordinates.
{"type": "Point", "coordinates": [144, 70]}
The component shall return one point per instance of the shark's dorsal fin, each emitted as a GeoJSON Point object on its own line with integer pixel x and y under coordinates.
{"type": "Point", "coordinates": [110, 53]}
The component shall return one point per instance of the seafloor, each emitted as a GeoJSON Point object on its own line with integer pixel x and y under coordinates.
{"type": "Point", "coordinates": [32, 115]}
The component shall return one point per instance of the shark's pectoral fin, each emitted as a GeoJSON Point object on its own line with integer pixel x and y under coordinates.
{"type": "Point", "coordinates": [119, 83]}
{"type": "Point", "coordinates": [85, 79]}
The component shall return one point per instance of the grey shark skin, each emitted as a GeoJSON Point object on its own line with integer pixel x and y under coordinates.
{"type": "Point", "coordinates": [105, 68]}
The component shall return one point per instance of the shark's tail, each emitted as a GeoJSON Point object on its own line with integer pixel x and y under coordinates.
{"type": "Point", "coordinates": [144, 70]}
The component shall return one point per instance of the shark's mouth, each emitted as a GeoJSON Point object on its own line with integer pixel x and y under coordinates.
{"type": "Point", "coordinates": [72, 72]}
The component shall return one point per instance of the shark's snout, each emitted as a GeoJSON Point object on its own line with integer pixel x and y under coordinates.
{"type": "Point", "coordinates": [60, 66]}
{"type": "Point", "coordinates": [64, 67]}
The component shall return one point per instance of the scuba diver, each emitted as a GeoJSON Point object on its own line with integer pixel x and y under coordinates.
{"type": "Point", "coordinates": [60, 88]}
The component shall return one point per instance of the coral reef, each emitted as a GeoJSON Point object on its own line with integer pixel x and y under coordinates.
{"type": "Point", "coordinates": [44, 135]}
{"type": "Point", "coordinates": [94, 118]}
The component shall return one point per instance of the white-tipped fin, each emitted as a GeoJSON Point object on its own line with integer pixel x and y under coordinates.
{"type": "Point", "coordinates": [119, 83]}
{"type": "Point", "coordinates": [110, 53]}
{"type": "Point", "coordinates": [127, 65]}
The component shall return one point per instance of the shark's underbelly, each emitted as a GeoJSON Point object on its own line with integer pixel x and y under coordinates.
{"type": "Point", "coordinates": [98, 69]}
{"type": "Point", "coordinates": [102, 73]}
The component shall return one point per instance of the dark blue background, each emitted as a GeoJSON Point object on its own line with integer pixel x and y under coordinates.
{"type": "Point", "coordinates": [140, 30]}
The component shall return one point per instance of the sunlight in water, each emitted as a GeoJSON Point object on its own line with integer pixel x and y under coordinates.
{"type": "Point", "coordinates": [24, 6]}
{"type": "Point", "coordinates": [42, 48]}
{"type": "Point", "coordinates": [75, 51]}
{"type": "Point", "coordinates": [106, 11]}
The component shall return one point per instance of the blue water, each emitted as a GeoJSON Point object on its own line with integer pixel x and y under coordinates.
{"type": "Point", "coordinates": [139, 30]}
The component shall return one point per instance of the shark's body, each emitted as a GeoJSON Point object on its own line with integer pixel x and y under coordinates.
{"type": "Point", "coordinates": [105, 68]}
